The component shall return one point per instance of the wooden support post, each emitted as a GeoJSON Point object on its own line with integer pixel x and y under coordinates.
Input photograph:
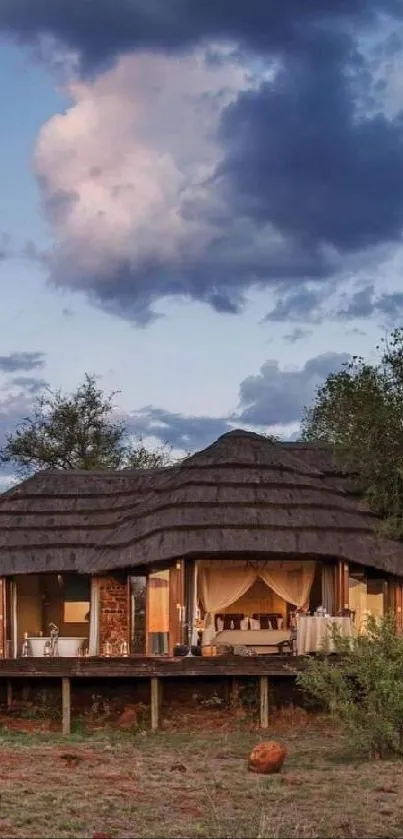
{"type": "Point", "coordinates": [342, 586]}
{"type": "Point", "coordinates": [155, 703]}
{"type": "Point", "coordinates": [346, 586]}
{"type": "Point", "coordinates": [264, 701]}
{"type": "Point", "coordinates": [234, 692]}
{"type": "Point", "coordinates": [399, 605]}
{"type": "Point", "coordinates": [66, 706]}
{"type": "Point", "coordinates": [9, 694]}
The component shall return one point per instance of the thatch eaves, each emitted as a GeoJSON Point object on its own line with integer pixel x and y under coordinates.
{"type": "Point", "coordinates": [54, 520]}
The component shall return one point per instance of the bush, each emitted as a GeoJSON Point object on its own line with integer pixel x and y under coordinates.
{"type": "Point", "coordinates": [363, 687]}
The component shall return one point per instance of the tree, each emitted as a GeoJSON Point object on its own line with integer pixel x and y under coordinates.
{"type": "Point", "coordinates": [77, 431]}
{"type": "Point", "coordinates": [358, 412]}
{"type": "Point", "coordinates": [363, 689]}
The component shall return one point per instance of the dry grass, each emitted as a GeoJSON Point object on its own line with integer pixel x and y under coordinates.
{"type": "Point", "coordinates": [194, 784]}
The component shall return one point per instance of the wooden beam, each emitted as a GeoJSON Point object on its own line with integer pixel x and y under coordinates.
{"type": "Point", "coordinates": [342, 585]}
{"type": "Point", "coordinates": [264, 701]}
{"type": "Point", "coordinates": [66, 706]}
{"type": "Point", "coordinates": [155, 703]}
{"type": "Point", "coordinates": [399, 605]}
{"type": "Point", "coordinates": [346, 586]}
{"type": "Point", "coordinates": [234, 692]}
{"type": "Point", "coordinates": [144, 667]}
{"type": "Point", "coordinates": [176, 603]}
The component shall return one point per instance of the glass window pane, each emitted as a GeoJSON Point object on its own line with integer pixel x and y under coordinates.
{"type": "Point", "coordinates": [158, 612]}
{"type": "Point", "coordinates": [76, 612]}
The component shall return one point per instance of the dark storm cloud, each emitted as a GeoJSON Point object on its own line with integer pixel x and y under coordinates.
{"type": "Point", "coordinates": [101, 30]}
{"type": "Point", "coordinates": [300, 157]}
{"type": "Point", "coordinates": [297, 334]}
{"type": "Point", "coordinates": [278, 397]}
{"type": "Point", "coordinates": [273, 397]}
{"type": "Point", "coordinates": [297, 305]}
{"type": "Point", "coordinates": [15, 361]}
{"type": "Point", "coordinates": [366, 302]}
{"type": "Point", "coordinates": [305, 155]}
{"type": "Point", "coordinates": [180, 431]}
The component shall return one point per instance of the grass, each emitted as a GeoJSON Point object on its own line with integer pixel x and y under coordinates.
{"type": "Point", "coordinates": [194, 784]}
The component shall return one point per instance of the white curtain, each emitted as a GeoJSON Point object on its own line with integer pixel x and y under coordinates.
{"type": "Point", "coordinates": [357, 599]}
{"type": "Point", "coordinates": [218, 589]}
{"type": "Point", "coordinates": [93, 646]}
{"type": "Point", "coordinates": [293, 585]}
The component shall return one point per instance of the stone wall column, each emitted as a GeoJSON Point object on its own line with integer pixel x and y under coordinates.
{"type": "Point", "coordinates": [3, 589]}
{"type": "Point", "coordinates": [114, 612]}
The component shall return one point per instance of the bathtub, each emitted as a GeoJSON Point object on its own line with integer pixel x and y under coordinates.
{"type": "Point", "coordinates": [66, 647]}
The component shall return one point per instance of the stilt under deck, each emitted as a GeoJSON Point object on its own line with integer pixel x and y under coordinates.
{"type": "Point", "coordinates": [154, 669]}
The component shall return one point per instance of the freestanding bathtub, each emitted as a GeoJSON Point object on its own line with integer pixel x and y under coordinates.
{"type": "Point", "coordinates": [66, 647]}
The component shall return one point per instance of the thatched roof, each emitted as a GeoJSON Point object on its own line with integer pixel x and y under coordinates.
{"type": "Point", "coordinates": [242, 495]}
{"type": "Point", "coordinates": [53, 521]}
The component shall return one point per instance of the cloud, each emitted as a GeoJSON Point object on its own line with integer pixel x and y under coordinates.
{"type": "Point", "coordinates": [103, 30]}
{"type": "Point", "coordinates": [278, 397]}
{"type": "Point", "coordinates": [5, 250]}
{"type": "Point", "coordinates": [301, 154]}
{"type": "Point", "coordinates": [301, 304]}
{"type": "Point", "coordinates": [125, 190]}
{"type": "Point", "coordinates": [275, 178]}
{"type": "Point", "coordinates": [17, 398]}
{"type": "Point", "coordinates": [297, 334]}
{"type": "Point", "coordinates": [21, 361]}
{"type": "Point", "coordinates": [30, 384]}
{"type": "Point", "coordinates": [182, 432]}
{"type": "Point", "coordinates": [273, 397]}
{"type": "Point", "coordinates": [366, 301]}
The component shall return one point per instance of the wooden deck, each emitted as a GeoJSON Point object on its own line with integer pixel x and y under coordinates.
{"type": "Point", "coordinates": [133, 667]}
{"type": "Point", "coordinates": [155, 670]}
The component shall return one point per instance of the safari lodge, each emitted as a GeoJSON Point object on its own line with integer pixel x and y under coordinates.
{"type": "Point", "coordinates": [237, 560]}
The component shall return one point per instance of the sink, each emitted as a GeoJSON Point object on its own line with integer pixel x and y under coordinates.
{"type": "Point", "coordinates": [66, 647]}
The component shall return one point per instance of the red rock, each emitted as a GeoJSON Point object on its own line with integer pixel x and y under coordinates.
{"type": "Point", "coordinates": [128, 717]}
{"type": "Point", "coordinates": [100, 836]}
{"type": "Point", "coordinates": [267, 758]}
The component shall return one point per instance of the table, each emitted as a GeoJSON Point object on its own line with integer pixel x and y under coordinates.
{"type": "Point", "coordinates": [314, 634]}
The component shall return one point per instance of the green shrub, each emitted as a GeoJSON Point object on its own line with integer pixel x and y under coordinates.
{"type": "Point", "coordinates": [362, 688]}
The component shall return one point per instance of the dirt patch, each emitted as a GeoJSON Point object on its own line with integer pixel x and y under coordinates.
{"type": "Point", "coordinates": [193, 783]}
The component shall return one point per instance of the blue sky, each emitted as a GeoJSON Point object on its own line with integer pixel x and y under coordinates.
{"type": "Point", "coordinates": [207, 216]}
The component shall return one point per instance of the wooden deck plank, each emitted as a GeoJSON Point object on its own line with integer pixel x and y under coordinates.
{"type": "Point", "coordinates": [148, 667]}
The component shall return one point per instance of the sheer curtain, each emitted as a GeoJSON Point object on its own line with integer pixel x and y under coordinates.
{"type": "Point", "coordinates": [292, 584]}
{"type": "Point", "coordinates": [219, 588]}
{"type": "Point", "coordinates": [357, 597]}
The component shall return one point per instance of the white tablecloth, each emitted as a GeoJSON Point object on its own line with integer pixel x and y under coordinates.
{"type": "Point", "coordinates": [315, 633]}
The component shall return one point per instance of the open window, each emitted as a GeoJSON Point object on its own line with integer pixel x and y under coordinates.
{"type": "Point", "coordinates": [76, 599]}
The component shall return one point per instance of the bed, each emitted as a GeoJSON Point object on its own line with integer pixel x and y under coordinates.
{"type": "Point", "coordinates": [263, 641]}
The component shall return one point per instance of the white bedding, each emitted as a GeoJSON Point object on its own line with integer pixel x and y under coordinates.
{"type": "Point", "coordinates": [261, 640]}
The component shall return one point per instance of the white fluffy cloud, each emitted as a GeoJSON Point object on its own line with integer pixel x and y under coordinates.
{"type": "Point", "coordinates": [121, 169]}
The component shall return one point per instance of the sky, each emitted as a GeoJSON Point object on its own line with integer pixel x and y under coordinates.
{"type": "Point", "coordinates": [201, 204]}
